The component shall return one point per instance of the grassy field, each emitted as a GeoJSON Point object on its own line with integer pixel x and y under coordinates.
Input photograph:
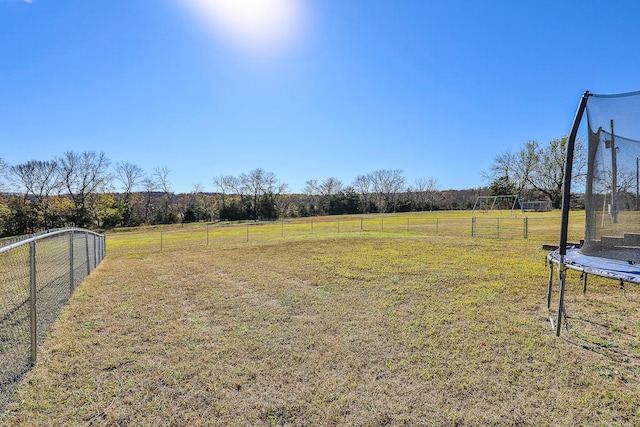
{"type": "Point", "coordinates": [372, 327]}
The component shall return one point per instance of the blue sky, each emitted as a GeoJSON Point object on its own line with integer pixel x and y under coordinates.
{"type": "Point", "coordinates": [304, 89]}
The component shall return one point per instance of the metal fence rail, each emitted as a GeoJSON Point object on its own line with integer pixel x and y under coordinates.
{"type": "Point", "coordinates": [500, 227]}
{"type": "Point", "coordinates": [38, 274]}
{"type": "Point", "coordinates": [194, 235]}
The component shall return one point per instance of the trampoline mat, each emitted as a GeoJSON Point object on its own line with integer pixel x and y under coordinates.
{"type": "Point", "coordinates": [605, 267]}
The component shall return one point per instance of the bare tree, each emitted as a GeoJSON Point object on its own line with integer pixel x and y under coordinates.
{"type": "Point", "coordinates": [257, 183]}
{"type": "Point", "coordinates": [525, 161]}
{"type": "Point", "coordinates": [227, 184]}
{"type": "Point", "coordinates": [312, 192]}
{"type": "Point", "coordinates": [327, 187]}
{"type": "Point", "coordinates": [131, 176]}
{"type": "Point", "coordinates": [37, 178]}
{"type": "Point", "coordinates": [387, 184]}
{"type": "Point", "coordinates": [503, 166]}
{"type": "Point", "coordinates": [419, 190]}
{"type": "Point", "coordinates": [199, 199]}
{"type": "Point", "coordinates": [311, 187]}
{"type": "Point", "coordinates": [195, 197]}
{"type": "Point", "coordinates": [319, 194]}
{"type": "Point", "coordinates": [426, 190]}
{"type": "Point", "coordinates": [150, 186]}
{"type": "Point", "coordinates": [515, 169]}
{"type": "Point", "coordinates": [40, 180]}
{"type": "Point", "coordinates": [362, 185]}
{"type": "Point", "coordinates": [433, 190]}
{"type": "Point", "coordinates": [330, 186]}
{"type": "Point", "coordinates": [84, 175]}
{"type": "Point", "coordinates": [4, 171]}
{"type": "Point", "coordinates": [161, 177]}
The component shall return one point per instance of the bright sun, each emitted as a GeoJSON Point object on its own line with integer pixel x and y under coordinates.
{"type": "Point", "coordinates": [259, 25]}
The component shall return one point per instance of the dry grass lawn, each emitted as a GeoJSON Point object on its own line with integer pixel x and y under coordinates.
{"type": "Point", "coordinates": [343, 329]}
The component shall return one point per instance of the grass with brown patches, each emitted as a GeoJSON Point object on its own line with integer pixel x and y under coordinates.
{"type": "Point", "coordinates": [354, 328]}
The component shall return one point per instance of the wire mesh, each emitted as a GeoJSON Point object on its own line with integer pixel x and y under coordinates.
{"type": "Point", "coordinates": [60, 260]}
{"type": "Point", "coordinates": [52, 283]}
{"type": "Point", "coordinates": [14, 319]}
{"type": "Point", "coordinates": [612, 190]}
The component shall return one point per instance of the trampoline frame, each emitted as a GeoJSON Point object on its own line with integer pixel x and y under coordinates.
{"type": "Point", "coordinates": [622, 271]}
{"type": "Point", "coordinates": [566, 199]}
{"type": "Point", "coordinates": [625, 272]}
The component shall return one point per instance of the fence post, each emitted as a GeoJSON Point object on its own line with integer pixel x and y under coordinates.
{"type": "Point", "coordinates": [95, 250]}
{"type": "Point", "coordinates": [526, 228]}
{"type": "Point", "coordinates": [71, 278]}
{"type": "Point", "coordinates": [247, 232]}
{"type": "Point", "coordinates": [498, 227]}
{"type": "Point", "coordinates": [98, 245]}
{"type": "Point", "coordinates": [361, 223]}
{"type": "Point", "coordinates": [33, 302]}
{"type": "Point", "coordinates": [86, 244]}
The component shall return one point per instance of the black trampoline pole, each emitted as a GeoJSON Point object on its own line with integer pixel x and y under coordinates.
{"type": "Point", "coordinates": [566, 201]}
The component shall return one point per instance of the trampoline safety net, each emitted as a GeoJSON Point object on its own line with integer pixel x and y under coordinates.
{"type": "Point", "coordinates": [612, 203]}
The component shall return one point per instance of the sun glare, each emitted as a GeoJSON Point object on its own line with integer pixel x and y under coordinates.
{"type": "Point", "coordinates": [257, 25]}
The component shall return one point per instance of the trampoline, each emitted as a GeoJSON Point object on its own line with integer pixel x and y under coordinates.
{"type": "Point", "coordinates": [623, 271]}
{"type": "Point", "coordinates": [610, 268]}
{"type": "Point", "coordinates": [611, 247]}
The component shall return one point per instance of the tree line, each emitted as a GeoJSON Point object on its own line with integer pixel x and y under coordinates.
{"type": "Point", "coordinates": [86, 190]}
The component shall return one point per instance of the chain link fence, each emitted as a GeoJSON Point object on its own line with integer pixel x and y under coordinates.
{"type": "Point", "coordinates": [38, 274]}
{"type": "Point", "coordinates": [194, 235]}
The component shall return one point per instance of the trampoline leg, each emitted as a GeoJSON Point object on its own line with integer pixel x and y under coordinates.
{"type": "Point", "coordinates": [549, 287]}
{"type": "Point", "coordinates": [584, 283]}
{"type": "Point", "coordinates": [561, 311]}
